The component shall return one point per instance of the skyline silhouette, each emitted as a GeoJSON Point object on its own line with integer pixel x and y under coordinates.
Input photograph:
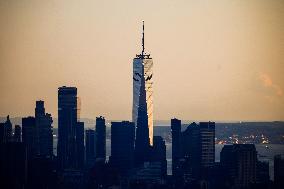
{"type": "Point", "coordinates": [218, 64]}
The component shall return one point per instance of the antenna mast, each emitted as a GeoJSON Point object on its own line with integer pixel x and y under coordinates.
{"type": "Point", "coordinates": [143, 48]}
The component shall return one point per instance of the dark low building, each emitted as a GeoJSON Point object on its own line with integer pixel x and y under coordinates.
{"type": "Point", "coordinates": [90, 144]}
{"type": "Point", "coordinates": [158, 154]}
{"type": "Point", "coordinates": [279, 171]}
{"type": "Point", "coordinates": [122, 146]}
{"type": "Point", "coordinates": [176, 146]}
{"type": "Point", "coordinates": [13, 163]}
{"type": "Point", "coordinates": [262, 173]}
{"type": "Point", "coordinates": [42, 173]}
{"type": "Point", "coordinates": [240, 164]}
{"type": "Point", "coordinates": [80, 148]}
{"type": "Point", "coordinates": [28, 135]}
{"type": "Point", "coordinates": [101, 138]}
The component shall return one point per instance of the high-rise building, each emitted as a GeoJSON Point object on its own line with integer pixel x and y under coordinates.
{"type": "Point", "coordinates": [7, 130]}
{"type": "Point", "coordinates": [193, 150]}
{"type": "Point", "coordinates": [67, 123]}
{"type": "Point", "coordinates": [90, 147]}
{"type": "Point", "coordinates": [176, 144]}
{"type": "Point", "coordinates": [28, 135]}
{"type": "Point", "coordinates": [207, 139]}
{"type": "Point", "coordinates": [43, 130]}
{"type": "Point", "coordinates": [239, 162]}
{"type": "Point", "coordinates": [37, 133]}
{"type": "Point", "coordinates": [199, 143]}
{"type": "Point", "coordinates": [101, 138]}
{"type": "Point", "coordinates": [143, 83]}
{"type": "Point", "coordinates": [17, 137]}
{"type": "Point", "coordinates": [80, 148]}
{"type": "Point", "coordinates": [122, 146]}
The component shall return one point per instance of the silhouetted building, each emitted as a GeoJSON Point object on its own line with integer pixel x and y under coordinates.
{"type": "Point", "coordinates": [193, 151]}
{"type": "Point", "coordinates": [279, 171]}
{"type": "Point", "coordinates": [37, 133]}
{"type": "Point", "coordinates": [207, 139]}
{"type": "Point", "coordinates": [13, 161]}
{"type": "Point", "coordinates": [80, 148]}
{"type": "Point", "coordinates": [6, 132]}
{"type": "Point", "coordinates": [158, 154]}
{"type": "Point", "coordinates": [67, 123]}
{"type": "Point", "coordinates": [122, 146]}
{"type": "Point", "coordinates": [1, 133]}
{"type": "Point", "coordinates": [239, 162]}
{"type": "Point", "coordinates": [101, 138]}
{"type": "Point", "coordinates": [176, 145]}
{"type": "Point", "coordinates": [90, 147]}
{"type": "Point", "coordinates": [29, 135]}
{"type": "Point", "coordinates": [44, 138]}
{"type": "Point", "coordinates": [17, 137]}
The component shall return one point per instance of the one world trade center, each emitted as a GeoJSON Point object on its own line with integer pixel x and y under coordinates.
{"type": "Point", "coordinates": [142, 109]}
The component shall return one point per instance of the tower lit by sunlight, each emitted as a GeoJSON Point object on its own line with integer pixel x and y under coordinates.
{"type": "Point", "coordinates": [143, 82]}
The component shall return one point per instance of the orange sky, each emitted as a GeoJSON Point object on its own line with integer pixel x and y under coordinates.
{"type": "Point", "coordinates": [213, 60]}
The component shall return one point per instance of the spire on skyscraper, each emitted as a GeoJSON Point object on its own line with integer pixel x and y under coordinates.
{"type": "Point", "coordinates": [143, 47]}
{"type": "Point", "coordinates": [143, 53]}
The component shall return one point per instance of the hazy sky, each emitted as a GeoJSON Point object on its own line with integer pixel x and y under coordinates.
{"type": "Point", "coordinates": [213, 60]}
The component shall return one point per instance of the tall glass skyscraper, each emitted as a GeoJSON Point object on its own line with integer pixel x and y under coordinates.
{"type": "Point", "coordinates": [67, 123]}
{"type": "Point", "coordinates": [143, 79]}
{"type": "Point", "coordinates": [101, 138]}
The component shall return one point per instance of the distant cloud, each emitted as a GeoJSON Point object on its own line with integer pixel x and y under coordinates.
{"type": "Point", "coordinates": [268, 83]}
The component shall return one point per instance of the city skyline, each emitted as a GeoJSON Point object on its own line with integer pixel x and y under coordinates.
{"type": "Point", "coordinates": [221, 61]}
{"type": "Point", "coordinates": [206, 90]}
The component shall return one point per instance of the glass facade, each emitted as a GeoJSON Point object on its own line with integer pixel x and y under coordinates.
{"type": "Point", "coordinates": [142, 70]}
